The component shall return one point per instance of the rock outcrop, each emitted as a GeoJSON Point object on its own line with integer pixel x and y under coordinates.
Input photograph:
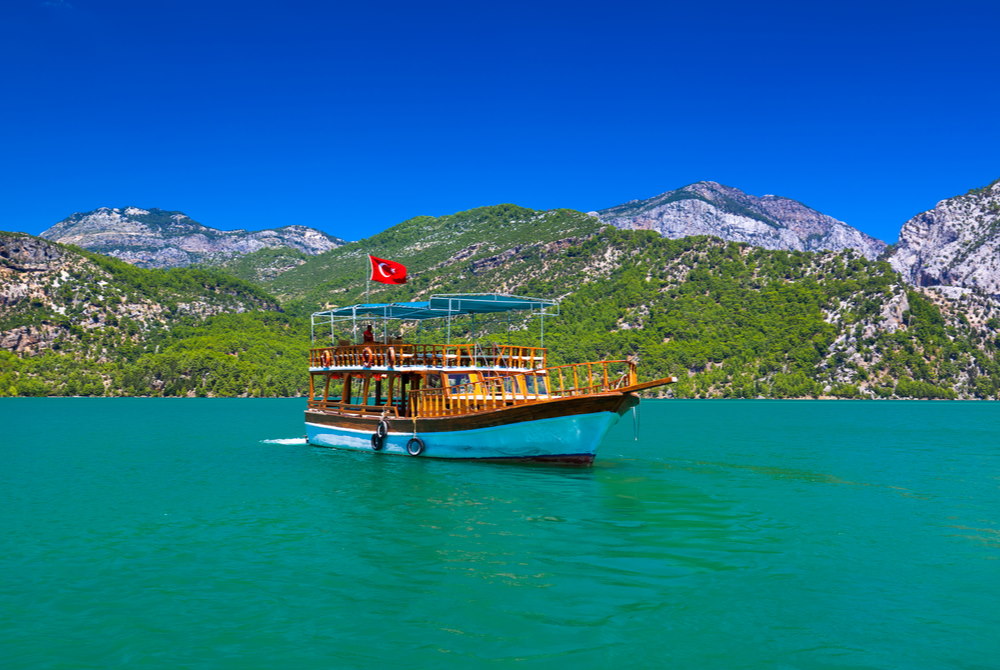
{"type": "Point", "coordinates": [955, 244]}
{"type": "Point", "coordinates": [24, 253]}
{"type": "Point", "coordinates": [155, 238]}
{"type": "Point", "coordinates": [770, 221]}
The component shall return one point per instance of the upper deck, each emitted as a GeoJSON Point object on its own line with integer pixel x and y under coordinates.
{"type": "Point", "coordinates": [399, 356]}
{"type": "Point", "coordinates": [389, 352]}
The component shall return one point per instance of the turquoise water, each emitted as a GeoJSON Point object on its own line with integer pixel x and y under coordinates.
{"type": "Point", "coordinates": [160, 533]}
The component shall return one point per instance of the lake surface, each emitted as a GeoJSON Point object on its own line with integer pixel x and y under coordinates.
{"type": "Point", "coordinates": [201, 533]}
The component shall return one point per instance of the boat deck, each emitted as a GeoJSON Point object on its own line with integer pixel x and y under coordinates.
{"type": "Point", "coordinates": [487, 387]}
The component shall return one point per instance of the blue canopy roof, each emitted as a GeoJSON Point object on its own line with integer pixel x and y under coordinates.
{"type": "Point", "coordinates": [405, 311]}
{"type": "Point", "coordinates": [439, 306]}
{"type": "Point", "coordinates": [482, 303]}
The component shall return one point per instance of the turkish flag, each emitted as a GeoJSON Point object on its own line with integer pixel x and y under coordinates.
{"type": "Point", "coordinates": [387, 272]}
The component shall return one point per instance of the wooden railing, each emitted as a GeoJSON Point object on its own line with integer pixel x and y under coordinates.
{"type": "Point", "coordinates": [520, 389]}
{"type": "Point", "coordinates": [348, 408]}
{"type": "Point", "coordinates": [586, 378]}
{"type": "Point", "coordinates": [428, 355]}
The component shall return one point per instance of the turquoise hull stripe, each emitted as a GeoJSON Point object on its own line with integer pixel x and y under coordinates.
{"type": "Point", "coordinates": [558, 436]}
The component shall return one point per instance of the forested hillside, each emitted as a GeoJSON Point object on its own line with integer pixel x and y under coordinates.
{"type": "Point", "coordinates": [78, 323]}
{"type": "Point", "coordinates": [439, 253]}
{"type": "Point", "coordinates": [738, 321]}
{"type": "Point", "coordinates": [263, 265]}
{"type": "Point", "coordinates": [729, 319]}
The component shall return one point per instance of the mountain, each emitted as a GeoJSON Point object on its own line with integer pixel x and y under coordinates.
{"type": "Point", "coordinates": [728, 318]}
{"type": "Point", "coordinates": [50, 293]}
{"type": "Point", "coordinates": [955, 244]}
{"type": "Point", "coordinates": [769, 221]}
{"type": "Point", "coordinates": [453, 250]}
{"type": "Point", "coordinates": [76, 322]}
{"type": "Point", "coordinates": [731, 320]}
{"type": "Point", "coordinates": [154, 238]}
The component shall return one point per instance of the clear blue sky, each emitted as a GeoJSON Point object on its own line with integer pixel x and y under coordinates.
{"type": "Point", "coordinates": [351, 117]}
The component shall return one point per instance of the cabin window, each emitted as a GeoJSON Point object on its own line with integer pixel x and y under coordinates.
{"type": "Point", "coordinates": [355, 394]}
{"type": "Point", "coordinates": [317, 387]}
{"type": "Point", "coordinates": [433, 381]}
{"type": "Point", "coordinates": [336, 387]}
{"type": "Point", "coordinates": [398, 384]}
{"type": "Point", "coordinates": [457, 379]}
{"type": "Point", "coordinates": [535, 385]}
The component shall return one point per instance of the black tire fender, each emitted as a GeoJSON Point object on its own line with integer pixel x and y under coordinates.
{"type": "Point", "coordinates": [415, 446]}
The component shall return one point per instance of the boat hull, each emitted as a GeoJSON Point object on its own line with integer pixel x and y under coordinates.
{"type": "Point", "coordinates": [569, 432]}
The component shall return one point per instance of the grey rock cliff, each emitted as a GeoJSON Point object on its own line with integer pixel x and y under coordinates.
{"type": "Point", "coordinates": [771, 222]}
{"type": "Point", "coordinates": [955, 244]}
{"type": "Point", "coordinates": [156, 238]}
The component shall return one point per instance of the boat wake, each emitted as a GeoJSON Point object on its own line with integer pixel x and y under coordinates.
{"type": "Point", "coordinates": [287, 440]}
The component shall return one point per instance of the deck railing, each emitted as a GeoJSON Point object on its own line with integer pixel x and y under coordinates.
{"type": "Point", "coordinates": [520, 388]}
{"type": "Point", "coordinates": [349, 408]}
{"type": "Point", "coordinates": [586, 378]}
{"type": "Point", "coordinates": [428, 355]}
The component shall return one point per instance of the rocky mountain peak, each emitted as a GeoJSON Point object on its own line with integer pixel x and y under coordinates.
{"type": "Point", "coordinates": [770, 221]}
{"type": "Point", "coordinates": [156, 238]}
{"type": "Point", "coordinates": [955, 244]}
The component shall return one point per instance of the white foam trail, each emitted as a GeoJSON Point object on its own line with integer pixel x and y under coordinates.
{"type": "Point", "coordinates": [286, 440]}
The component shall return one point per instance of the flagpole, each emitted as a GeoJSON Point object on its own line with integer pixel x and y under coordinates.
{"type": "Point", "coordinates": [368, 283]}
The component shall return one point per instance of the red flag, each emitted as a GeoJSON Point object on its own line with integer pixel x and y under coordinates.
{"type": "Point", "coordinates": [387, 272]}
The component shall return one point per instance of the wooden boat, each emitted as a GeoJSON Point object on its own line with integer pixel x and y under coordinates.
{"type": "Point", "coordinates": [467, 401]}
